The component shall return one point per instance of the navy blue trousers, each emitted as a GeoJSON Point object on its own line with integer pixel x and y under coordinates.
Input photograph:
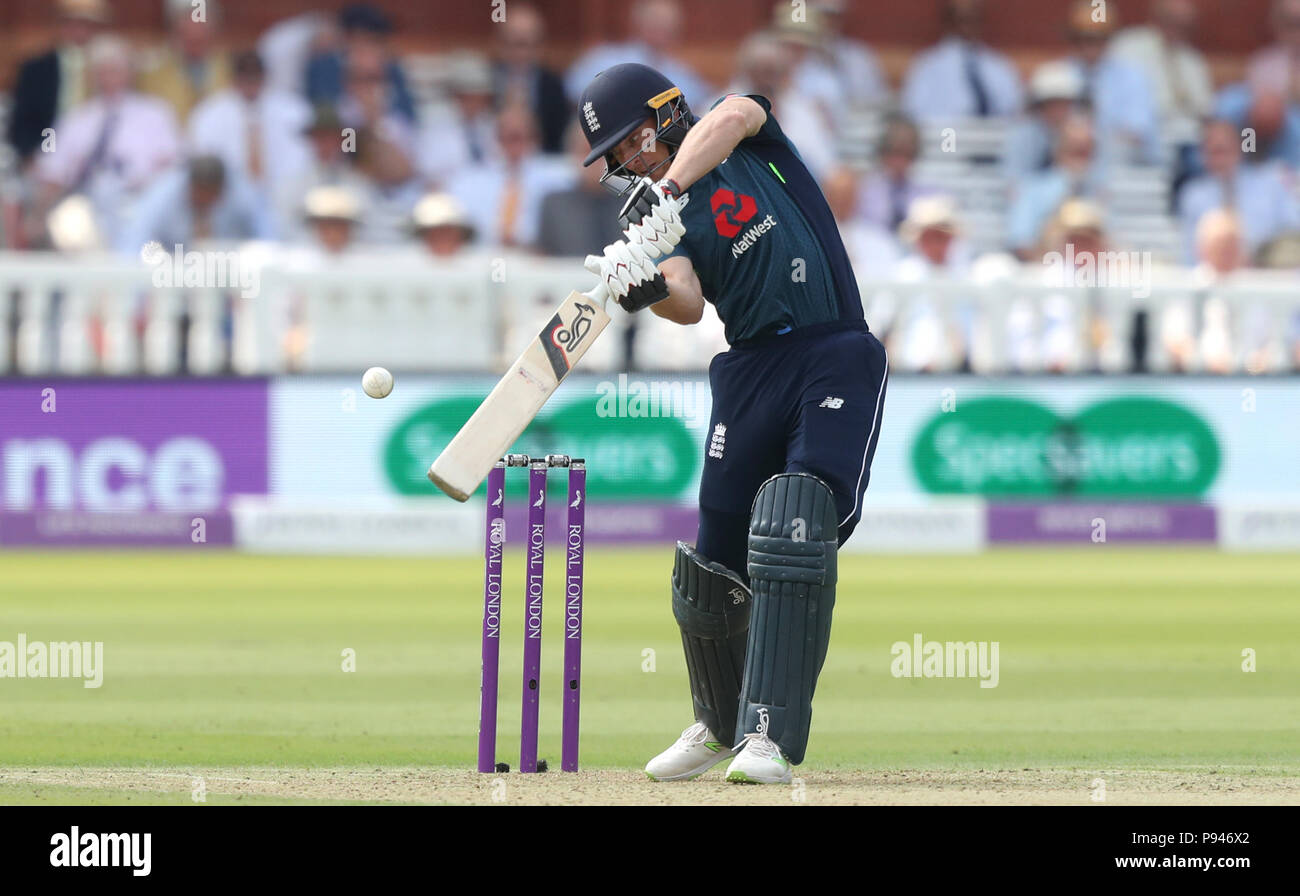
{"type": "Point", "coordinates": [808, 402]}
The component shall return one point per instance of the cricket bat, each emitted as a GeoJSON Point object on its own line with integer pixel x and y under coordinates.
{"type": "Point", "coordinates": [515, 401]}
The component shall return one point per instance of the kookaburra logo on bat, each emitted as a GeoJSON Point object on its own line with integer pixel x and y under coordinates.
{"type": "Point", "coordinates": [570, 337]}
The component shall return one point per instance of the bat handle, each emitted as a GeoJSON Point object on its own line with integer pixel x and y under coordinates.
{"type": "Point", "coordinates": [599, 294]}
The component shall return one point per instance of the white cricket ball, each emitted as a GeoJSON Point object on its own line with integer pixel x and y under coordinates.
{"type": "Point", "coordinates": [377, 382]}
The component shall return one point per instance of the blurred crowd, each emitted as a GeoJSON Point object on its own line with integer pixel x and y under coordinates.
{"type": "Point", "coordinates": [319, 136]}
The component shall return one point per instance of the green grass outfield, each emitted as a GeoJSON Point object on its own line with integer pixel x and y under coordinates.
{"type": "Point", "coordinates": [1110, 658]}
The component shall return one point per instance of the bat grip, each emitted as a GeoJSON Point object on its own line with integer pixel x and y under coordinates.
{"type": "Point", "coordinates": [598, 293]}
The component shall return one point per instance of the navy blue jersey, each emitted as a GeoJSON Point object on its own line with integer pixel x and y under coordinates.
{"type": "Point", "coordinates": [764, 243]}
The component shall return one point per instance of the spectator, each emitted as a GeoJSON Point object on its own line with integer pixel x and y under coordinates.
{"type": "Point", "coordinates": [391, 190]}
{"type": "Point", "coordinates": [655, 30]}
{"type": "Point", "coordinates": [1078, 232]}
{"type": "Point", "coordinates": [257, 132]}
{"type": "Point", "coordinates": [327, 165]}
{"type": "Point", "coordinates": [364, 29]}
{"type": "Point", "coordinates": [764, 66]}
{"type": "Point", "coordinates": [287, 46]}
{"type": "Point", "coordinates": [849, 62]}
{"type": "Point", "coordinates": [1259, 194]}
{"type": "Point", "coordinates": [1274, 125]}
{"type": "Point", "coordinates": [504, 196]}
{"type": "Point", "coordinates": [581, 219]}
{"type": "Point", "coordinates": [804, 40]}
{"type": "Point", "coordinates": [1230, 338]}
{"type": "Point", "coordinates": [366, 101]}
{"type": "Point", "coordinates": [518, 75]}
{"type": "Point", "coordinates": [442, 225]}
{"type": "Point", "coordinates": [52, 83]}
{"type": "Point", "coordinates": [1176, 71]}
{"type": "Point", "coordinates": [188, 68]}
{"type": "Point", "coordinates": [384, 145]}
{"type": "Point", "coordinates": [193, 203]}
{"type": "Point", "coordinates": [462, 132]}
{"type": "Point", "coordinates": [1250, 339]}
{"type": "Point", "coordinates": [1055, 90]}
{"type": "Point", "coordinates": [333, 215]}
{"type": "Point", "coordinates": [1041, 332]}
{"type": "Point", "coordinates": [110, 147]}
{"type": "Point", "coordinates": [872, 250]}
{"type": "Point", "coordinates": [932, 331]}
{"type": "Point", "coordinates": [1121, 99]}
{"type": "Point", "coordinates": [961, 77]}
{"type": "Point", "coordinates": [1221, 251]}
{"type": "Point", "coordinates": [1220, 247]}
{"type": "Point", "coordinates": [1075, 173]}
{"type": "Point", "coordinates": [1269, 101]}
{"type": "Point", "coordinates": [1276, 69]}
{"type": "Point", "coordinates": [889, 192]}
{"type": "Point", "coordinates": [930, 232]}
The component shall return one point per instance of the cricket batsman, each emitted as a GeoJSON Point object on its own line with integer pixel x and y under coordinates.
{"type": "Point", "coordinates": [721, 209]}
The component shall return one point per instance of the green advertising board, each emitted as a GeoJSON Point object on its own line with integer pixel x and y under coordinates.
{"type": "Point", "coordinates": [1011, 447]}
{"type": "Point", "coordinates": [628, 457]}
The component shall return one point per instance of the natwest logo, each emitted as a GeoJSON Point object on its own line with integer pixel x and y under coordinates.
{"type": "Point", "coordinates": [730, 210]}
{"type": "Point", "coordinates": [741, 246]}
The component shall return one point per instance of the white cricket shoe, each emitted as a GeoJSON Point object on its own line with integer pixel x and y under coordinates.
{"type": "Point", "coordinates": [759, 762]}
{"type": "Point", "coordinates": [694, 753]}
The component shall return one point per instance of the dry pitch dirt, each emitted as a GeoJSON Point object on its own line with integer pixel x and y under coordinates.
{"type": "Point", "coordinates": [1193, 786]}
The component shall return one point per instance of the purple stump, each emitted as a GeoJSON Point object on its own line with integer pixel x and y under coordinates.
{"type": "Point", "coordinates": [494, 543]}
{"type": "Point", "coordinates": [536, 548]}
{"type": "Point", "coordinates": [573, 550]}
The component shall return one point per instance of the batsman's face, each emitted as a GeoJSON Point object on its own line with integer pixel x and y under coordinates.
{"type": "Point", "coordinates": [641, 153]}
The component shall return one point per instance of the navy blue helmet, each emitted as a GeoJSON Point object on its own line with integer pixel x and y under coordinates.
{"type": "Point", "coordinates": [616, 103]}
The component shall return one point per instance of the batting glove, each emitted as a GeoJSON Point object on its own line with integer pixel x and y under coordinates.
{"type": "Point", "coordinates": [629, 274]}
{"type": "Point", "coordinates": [643, 295]}
{"type": "Point", "coordinates": [652, 216]}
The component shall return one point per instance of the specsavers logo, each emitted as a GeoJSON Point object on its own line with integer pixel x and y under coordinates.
{"type": "Point", "coordinates": [1134, 447]}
